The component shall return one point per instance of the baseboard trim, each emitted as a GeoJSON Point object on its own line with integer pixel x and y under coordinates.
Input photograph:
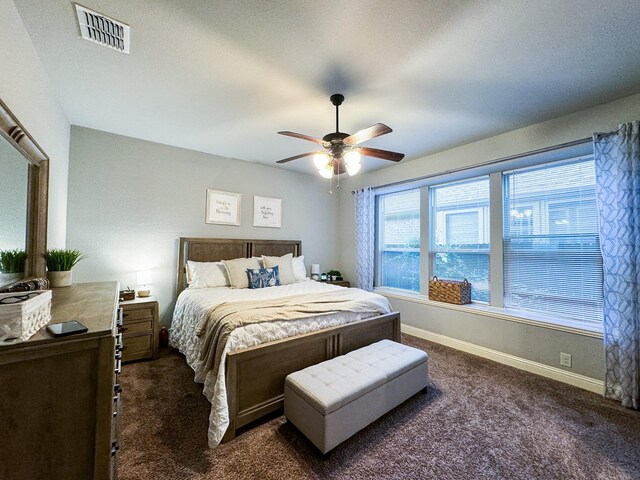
{"type": "Point", "coordinates": [577, 380]}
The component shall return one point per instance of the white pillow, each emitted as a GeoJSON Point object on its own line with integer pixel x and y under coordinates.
{"type": "Point", "coordinates": [237, 271]}
{"type": "Point", "coordinates": [206, 274]}
{"type": "Point", "coordinates": [299, 269]}
{"type": "Point", "coordinates": [285, 267]}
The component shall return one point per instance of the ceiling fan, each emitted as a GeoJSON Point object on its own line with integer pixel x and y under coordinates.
{"type": "Point", "coordinates": [342, 151]}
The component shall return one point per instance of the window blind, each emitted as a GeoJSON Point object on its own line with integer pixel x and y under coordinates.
{"type": "Point", "coordinates": [552, 260]}
{"type": "Point", "coordinates": [460, 233]}
{"type": "Point", "coordinates": [398, 259]}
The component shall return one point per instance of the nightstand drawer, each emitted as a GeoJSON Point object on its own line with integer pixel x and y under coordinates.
{"type": "Point", "coordinates": [138, 326]}
{"type": "Point", "coordinates": [138, 347]}
{"type": "Point", "coordinates": [135, 313]}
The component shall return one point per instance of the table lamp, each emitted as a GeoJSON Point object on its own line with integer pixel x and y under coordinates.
{"type": "Point", "coordinates": [144, 280]}
{"type": "Point", "coordinates": [315, 271]}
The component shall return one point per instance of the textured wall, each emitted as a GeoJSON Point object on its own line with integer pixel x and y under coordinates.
{"type": "Point", "coordinates": [130, 200]}
{"type": "Point", "coordinates": [25, 88]}
{"type": "Point", "coordinates": [530, 342]}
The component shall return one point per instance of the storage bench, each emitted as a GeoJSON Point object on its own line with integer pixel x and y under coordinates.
{"type": "Point", "coordinates": [331, 401]}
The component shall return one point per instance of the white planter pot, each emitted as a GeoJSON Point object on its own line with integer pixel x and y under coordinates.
{"type": "Point", "coordinates": [59, 279]}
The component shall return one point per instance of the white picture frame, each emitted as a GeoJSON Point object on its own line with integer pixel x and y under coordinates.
{"type": "Point", "coordinates": [223, 208]}
{"type": "Point", "coordinates": [267, 212]}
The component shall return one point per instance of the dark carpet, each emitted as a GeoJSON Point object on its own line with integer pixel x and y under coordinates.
{"type": "Point", "coordinates": [478, 420]}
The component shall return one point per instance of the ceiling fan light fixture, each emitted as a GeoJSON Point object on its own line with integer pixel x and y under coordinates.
{"type": "Point", "coordinates": [326, 171]}
{"type": "Point", "coordinates": [321, 160]}
{"type": "Point", "coordinates": [353, 169]}
{"type": "Point", "coordinates": [351, 159]}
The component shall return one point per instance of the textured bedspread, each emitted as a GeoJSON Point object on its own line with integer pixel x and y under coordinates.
{"type": "Point", "coordinates": [226, 317]}
{"type": "Point", "coordinates": [194, 305]}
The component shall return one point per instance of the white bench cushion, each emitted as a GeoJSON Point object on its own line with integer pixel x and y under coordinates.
{"type": "Point", "coordinates": [334, 383]}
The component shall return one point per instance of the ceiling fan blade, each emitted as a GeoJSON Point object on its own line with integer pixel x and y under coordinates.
{"type": "Point", "coordinates": [288, 159]}
{"type": "Point", "coordinates": [302, 137]}
{"type": "Point", "coordinates": [384, 154]}
{"type": "Point", "coordinates": [367, 134]}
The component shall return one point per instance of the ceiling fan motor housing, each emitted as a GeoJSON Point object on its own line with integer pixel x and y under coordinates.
{"type": "Point", "coordinates": [337, 99]}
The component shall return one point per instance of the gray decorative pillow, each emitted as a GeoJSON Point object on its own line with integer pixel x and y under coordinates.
{"type": "Point", "coordinates": [237, 271]}
{"type": "Point", "coordinates": [285, 267]}
{"type": "Point", "coordinates": [263, 277]}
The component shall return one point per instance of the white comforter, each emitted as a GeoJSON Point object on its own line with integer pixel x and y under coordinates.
{"type": "Point", "coordinates": [194, 304]}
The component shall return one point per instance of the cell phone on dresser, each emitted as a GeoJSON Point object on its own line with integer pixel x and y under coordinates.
{"type": "Point", "coordinates": [63, 329]}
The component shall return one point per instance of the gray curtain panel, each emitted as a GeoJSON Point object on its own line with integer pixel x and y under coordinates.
{"type": "Point", "coordinates": [365, 237]}
{"type": "Point", "coordinates": [617, 161]}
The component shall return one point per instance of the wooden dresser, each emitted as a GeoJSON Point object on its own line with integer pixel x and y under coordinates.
{"type": "Point", "coordinates": [60, 397]}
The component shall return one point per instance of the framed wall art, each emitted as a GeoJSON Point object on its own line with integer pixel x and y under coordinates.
{"type": "Point", "coordinates": [267, 212]}
{"type": "Point", "coordinates": [223, 208]}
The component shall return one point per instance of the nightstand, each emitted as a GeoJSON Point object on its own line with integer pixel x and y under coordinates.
{"type": "Point", "coordinates": [141, 328]}
{"type": "Point", "coordinates": [342, 283]}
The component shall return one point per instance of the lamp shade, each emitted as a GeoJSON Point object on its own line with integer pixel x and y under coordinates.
{"type": "Point", "coordinates": [144, 278]}
{"type": "Point", "coordinates": [320, 160]}
{"type": "Point", "coordinates": [315, 268]}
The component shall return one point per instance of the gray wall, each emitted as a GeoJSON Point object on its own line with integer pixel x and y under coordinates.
{"type": "Point", "coordinates": [25, 88]}
{"type": "Point", "coordinates": [530, 342]}
{"type": "Point", "coordinates": [130, 200]}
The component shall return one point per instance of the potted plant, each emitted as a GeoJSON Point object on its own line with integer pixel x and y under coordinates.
{"type": "Point", "coordinates": [334, 275]}
{"type": "Point", "coordinates": [12, 264]}
{"type": "Point", "coordinates": [59, 265]}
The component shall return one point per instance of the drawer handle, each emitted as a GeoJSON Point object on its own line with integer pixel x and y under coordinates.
{"type": "Point", "coordinates": [117, 388]}
{"type": "Point", "coordinates": [114, 448]}
{"type": "Point", "coordinates": [118, 366]}
{"type": "Point", "coordinates": [118, 356]}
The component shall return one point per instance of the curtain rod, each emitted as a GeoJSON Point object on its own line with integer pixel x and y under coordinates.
{"type": "Point", "coordinates": [492, 162]}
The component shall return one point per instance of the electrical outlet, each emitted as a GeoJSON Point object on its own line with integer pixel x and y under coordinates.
{"type": "Point", "coordinates": [565, 359]}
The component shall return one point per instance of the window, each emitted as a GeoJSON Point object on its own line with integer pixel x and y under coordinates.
{"type": "Point", "coordinates": [459, 234]}
{"type": "Point", "coordinates": [398, 259]}
{"type": "Point", "coordinates": [552, 260]}
{"type": "Point", "coordinates": [546, 265]}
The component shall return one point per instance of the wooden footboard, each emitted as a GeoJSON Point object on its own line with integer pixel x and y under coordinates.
{"type": "Point", "coordinates": [255, 376]}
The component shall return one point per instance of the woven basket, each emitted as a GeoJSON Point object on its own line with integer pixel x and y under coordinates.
{"type": "Point", "coordinates": [450, 291]}
{"type": "Point", "coordinates": [19, 321]}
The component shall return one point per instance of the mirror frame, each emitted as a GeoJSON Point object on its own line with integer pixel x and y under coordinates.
{"type": "Point", "coordinates": [37, 190]}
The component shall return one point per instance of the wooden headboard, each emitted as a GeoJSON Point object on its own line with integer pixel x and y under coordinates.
{"type": "Point", "coordinates": [216, 249]}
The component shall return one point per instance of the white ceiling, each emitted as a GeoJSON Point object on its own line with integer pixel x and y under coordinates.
{"type": "Point", "coordinates": [224, 76]}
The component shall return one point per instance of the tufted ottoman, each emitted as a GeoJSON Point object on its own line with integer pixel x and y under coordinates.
{"type": "Point", "coordinates": [331, 401]}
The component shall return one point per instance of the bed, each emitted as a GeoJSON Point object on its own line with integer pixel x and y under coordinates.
{"type": "Point", "coordinates": [250, 380]}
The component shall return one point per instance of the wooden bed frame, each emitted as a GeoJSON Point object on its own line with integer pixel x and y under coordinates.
{"type": "Point", "coordinates": [255, 375]}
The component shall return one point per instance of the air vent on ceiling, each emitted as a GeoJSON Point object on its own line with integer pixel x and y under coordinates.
{"type": "Point", "coordinates": [103, 30]}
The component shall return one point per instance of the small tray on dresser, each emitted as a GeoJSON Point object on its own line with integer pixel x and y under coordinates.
{"type": "Point", "coordinates": [140, 328]}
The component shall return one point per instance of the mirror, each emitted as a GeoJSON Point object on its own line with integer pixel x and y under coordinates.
{"type": "Point", "coordinates": [24, 183]}
{"type": "Point", "coordinates": [14, 176]}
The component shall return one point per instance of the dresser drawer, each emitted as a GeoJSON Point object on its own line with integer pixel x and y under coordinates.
{"type": "Point", "coordinates": [136, 313]}
{"type": "Point", "coordinates": [137, 347]}
{"type": "Point", "coordinates": [138, 326]}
